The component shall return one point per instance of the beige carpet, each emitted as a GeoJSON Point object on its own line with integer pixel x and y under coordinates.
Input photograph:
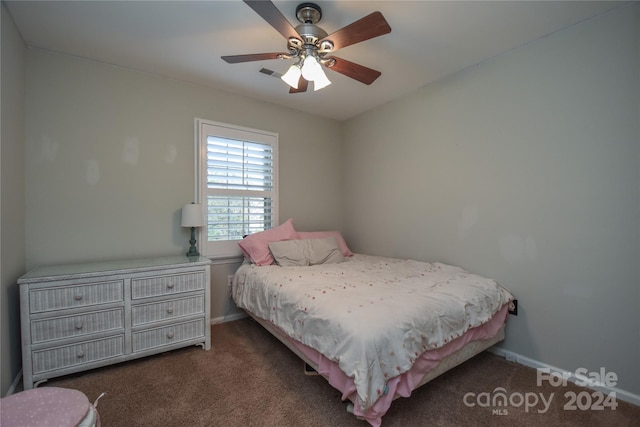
{"type": "Point", "coordinates": [250, 379]}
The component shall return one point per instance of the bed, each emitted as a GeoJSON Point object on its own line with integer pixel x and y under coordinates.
{"type": "Point", "coordinates": [376, 328]}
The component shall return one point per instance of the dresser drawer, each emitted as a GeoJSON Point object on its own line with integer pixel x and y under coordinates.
{"type": "Point", "coordinates": [77, 354]}
{"type": "Point", "coordinates": [167, 335]}
{"type": "Point", "coordinates": [154, 312]}
{"type": "Point", "coordinates": [167, 285]}
{"type": "Point", "coordinates": [70, 296]}
{"type": "Point", "coordinates": [55, 328]}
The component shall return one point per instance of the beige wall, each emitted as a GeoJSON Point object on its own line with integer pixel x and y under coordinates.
{"type": "Point", "coordinates": [525, 169]}
{"type": "Point", "coordinates": [109, 163]}
{"type": "Point", "coordinates": [12, 206]}
{"type": "Point", "coordinates": [109, 157]}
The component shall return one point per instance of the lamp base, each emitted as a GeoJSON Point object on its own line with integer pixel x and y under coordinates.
{"type": "Point", "coordinates": [193, 251]}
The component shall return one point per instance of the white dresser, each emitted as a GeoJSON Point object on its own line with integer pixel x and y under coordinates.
{"type": "Point", "coordinates": [83, 316]}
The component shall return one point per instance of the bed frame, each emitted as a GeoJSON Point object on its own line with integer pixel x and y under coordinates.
{"type": "Point", "coordinates": [463, 354]}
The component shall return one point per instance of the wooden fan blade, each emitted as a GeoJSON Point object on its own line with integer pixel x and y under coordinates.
{"type": "Point", "coordinates": [234, 59]}
{"type": "Point", "coordinates": [302, 86]}
{"type": "Point", "coordinates": [355, 71]}
{"type": "Point", "coordinates": [372, 25]}
{"type": "Point", "coordinates": [270, 13]}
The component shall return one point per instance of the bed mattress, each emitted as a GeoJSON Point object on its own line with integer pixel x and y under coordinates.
{"type": "Point", "coordinates": [372, 316]}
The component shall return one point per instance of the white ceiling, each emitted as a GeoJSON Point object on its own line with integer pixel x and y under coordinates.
{"type": "Point", "coordinates": [185, 39]}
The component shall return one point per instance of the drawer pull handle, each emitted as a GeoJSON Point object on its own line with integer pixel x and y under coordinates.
{"type": "Point", "coordinates": [78, 297]}
{"type": "Point", "coordinates": [79, 325]}
{"type": "Point", "coordinates": [80, 354]}
{"type": "Point", "coordinates": [170, 310]}
{"type": "Point", "coordinates": [170, 285]}
{"type": "Point", "coordinates": [170, 335]}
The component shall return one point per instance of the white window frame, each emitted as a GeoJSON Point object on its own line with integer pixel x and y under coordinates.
{"type": "Point", "coordinates": [203, 128]}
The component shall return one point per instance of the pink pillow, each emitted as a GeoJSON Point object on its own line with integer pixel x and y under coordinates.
{"type": "Point", "coordinates": [322, 234]}
{"type": "Point", "coordinates": [256, 246]}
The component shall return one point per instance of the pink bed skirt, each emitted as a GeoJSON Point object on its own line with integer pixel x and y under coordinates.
{"type": "Point", "coordinates": [404, 384]}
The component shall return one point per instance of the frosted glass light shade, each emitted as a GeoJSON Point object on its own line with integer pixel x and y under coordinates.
{"type": "Point", "coordinates": [321, 81]}
{"type": "Point", "coordinates": [292, 76]}
{"type": "Point", "coordinates": [311, 70]}
{"type": "Point", "coordinates": [192, 215]}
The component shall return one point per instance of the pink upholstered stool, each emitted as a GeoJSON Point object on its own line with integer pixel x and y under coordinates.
{"type": "Point", "coordinates": [48, 407]}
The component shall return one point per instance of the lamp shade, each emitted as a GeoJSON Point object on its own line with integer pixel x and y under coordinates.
{"type": "Point", "coordinates": [292, 76]}
{"type": "Point", "coordinates": [311, 69]}
{"type": "Point", "coordinates": [321, 81]}
{"type": "Point", "coordinates": [192, 215]}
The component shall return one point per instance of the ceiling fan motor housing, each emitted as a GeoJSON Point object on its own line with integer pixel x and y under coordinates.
{"type": "Point", "coordinates": [310, 33]}
{"type": "Point", "coordinates": [309, 14]}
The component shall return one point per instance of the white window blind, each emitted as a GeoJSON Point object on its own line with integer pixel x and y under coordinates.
{"type": "Point", "coordinates": [238, 184]}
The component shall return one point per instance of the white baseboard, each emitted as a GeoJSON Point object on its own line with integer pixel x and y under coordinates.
{"type": "Point", "coordinates": [536, 364]}
{"type": "Point", "coordinates": [228, 318]}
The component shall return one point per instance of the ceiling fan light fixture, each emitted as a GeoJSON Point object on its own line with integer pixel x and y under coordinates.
{"type": "Point", "coordinates": [292, 76]}
{"type": "Point", "coordinates": [321, 82]}
{"type": "Point", "coordinates": [311, 69]}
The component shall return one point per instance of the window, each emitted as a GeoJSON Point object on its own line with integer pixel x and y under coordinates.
{"type": "Point", "coordinates": [237, 184]}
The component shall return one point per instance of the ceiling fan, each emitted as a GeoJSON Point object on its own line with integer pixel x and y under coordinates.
{"type": "Point", "coordinates": [312, 48]}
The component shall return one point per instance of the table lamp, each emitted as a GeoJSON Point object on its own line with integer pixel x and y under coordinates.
{"type": "Point", "coordinates": [192, 217]}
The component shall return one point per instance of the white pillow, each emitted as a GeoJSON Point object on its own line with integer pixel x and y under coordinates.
{"type": "Point", "coordinates": [306, 252]}
{"type": "Point", "coordinates": [288, 253]}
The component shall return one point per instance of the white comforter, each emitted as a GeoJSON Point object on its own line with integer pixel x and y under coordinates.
{"type": "Point", "coordinates": [372, 315]}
